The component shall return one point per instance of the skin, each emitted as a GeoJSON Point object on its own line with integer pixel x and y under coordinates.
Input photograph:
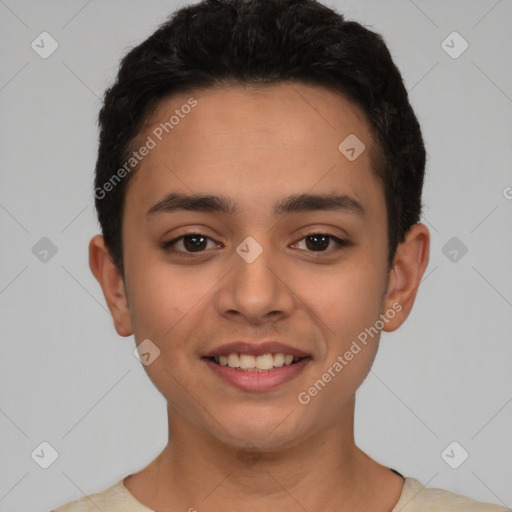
{"type": "Point", "coordinates": [256, 147]}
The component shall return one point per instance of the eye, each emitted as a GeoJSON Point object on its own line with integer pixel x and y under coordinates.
{"type": "Point", "coordinates": [318, 242]}
{"type": "Point", "coordinates": [191, 243]}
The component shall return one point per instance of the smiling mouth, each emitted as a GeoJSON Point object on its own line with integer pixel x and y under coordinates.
{"type": "Point", "coordinates": [261, 363]}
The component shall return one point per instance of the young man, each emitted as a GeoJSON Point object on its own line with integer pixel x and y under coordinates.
{"type": "Point", "coordinates": [258, 186]}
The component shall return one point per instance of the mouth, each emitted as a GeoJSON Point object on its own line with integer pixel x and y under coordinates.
{"type": "Point", "coordinates": [256, 366]}
{"type": "Point", "coordinates": [261, 363]}
{"type": "Point", "coordinates": [259, 373]}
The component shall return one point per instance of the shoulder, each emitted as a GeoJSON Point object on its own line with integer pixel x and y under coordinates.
{"type": "Point", "coordinates": [115, 498]}
{"type": "Point", "coordinates": [416, 497]}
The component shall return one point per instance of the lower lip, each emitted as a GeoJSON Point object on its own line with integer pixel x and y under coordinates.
{"type": "Point", "coordinates": [258, 381]}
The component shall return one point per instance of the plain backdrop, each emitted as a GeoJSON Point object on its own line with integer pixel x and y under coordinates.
{"type": "Point", "coordinates": [67, 378]}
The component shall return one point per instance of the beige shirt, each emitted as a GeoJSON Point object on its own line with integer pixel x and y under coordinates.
{"type": "Point", "coordinates": [414, 498]}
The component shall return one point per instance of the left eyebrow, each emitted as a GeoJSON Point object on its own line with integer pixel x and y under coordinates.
{"type": "Point", "coordinates": [297, 203]}
{"type": "Point", "coordinates": [319, 202]}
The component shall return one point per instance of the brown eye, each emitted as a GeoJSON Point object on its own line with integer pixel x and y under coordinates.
{"type": "Point", "coordinates": [190, 243]}
{"type": "Point", "coordinates": [194, 242]}
{"type": "Point", "coordinates": [319, 242]}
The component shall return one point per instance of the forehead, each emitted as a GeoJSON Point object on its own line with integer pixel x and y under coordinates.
{"type": "Point", "coordinates": [256, 143]}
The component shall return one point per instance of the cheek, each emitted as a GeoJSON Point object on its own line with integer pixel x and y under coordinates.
{"type": "Point", "coordinates": [347, 300]}
{"type": "Point", "coordinates": [168, 304]}
{"type": "Point", "coordinates": [347, 305]}
{"type": "Point", "coordinates": [165, 307]}
{"type": "Point", "coordinates": [161, 302]}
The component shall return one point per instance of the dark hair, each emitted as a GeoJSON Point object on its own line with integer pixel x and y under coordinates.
{"type": "Point", "coordinates": [263, 42]}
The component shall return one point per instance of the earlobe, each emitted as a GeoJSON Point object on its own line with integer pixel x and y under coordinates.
{"type": "Point", "coordinates": [410, 262]}
{"type": "Point", "coordinates": [111, 282]}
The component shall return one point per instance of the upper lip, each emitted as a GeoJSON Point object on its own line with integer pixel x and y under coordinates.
{"type": "Point", "coordinates": [255, 349]}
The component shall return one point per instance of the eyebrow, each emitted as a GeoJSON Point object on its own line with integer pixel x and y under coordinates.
{"type": "Point", "coordinates": [297, 203]}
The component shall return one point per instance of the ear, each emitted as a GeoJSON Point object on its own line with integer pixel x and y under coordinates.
{"type": "Point", "coordinates": [409, 265]}
{"type": "Point", "coordinates": [111, 282]}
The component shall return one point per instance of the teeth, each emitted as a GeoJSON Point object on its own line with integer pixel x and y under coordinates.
{"type": "Point", "coordinates": [233, 361]}
{"type": "Point", "coordinates": [278, 360]}
{"type": "Point", "coordinates": [260, 363]}
{"type": "Point", "coordinates": [247, 362]}
{"type": "Point", "coordinates": [265, 362]}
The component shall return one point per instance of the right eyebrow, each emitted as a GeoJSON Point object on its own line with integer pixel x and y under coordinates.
{"type": "Point", "coordinates": [199, 203]}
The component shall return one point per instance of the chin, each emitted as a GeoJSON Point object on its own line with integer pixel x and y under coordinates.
{"type": "Point", "coordinates": [272, 430]}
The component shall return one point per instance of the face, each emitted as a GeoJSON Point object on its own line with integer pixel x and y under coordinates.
{"type": "Point", "coordinates": [311, 275]}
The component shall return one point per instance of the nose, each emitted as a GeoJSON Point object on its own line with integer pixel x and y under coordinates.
{"type": "Point", "coordinates": [257, 288]}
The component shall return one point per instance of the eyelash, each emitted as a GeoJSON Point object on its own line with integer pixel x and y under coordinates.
{"type": "Point", "coordinates": [168, 246]}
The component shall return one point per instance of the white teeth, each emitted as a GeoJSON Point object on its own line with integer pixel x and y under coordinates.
{"type": "Point", "coordinates": [278, 360]}
{"type": "Point", "coordinates": [233, 361]}
{"type": "Point", "coordinates": [247, 361]}
{"type": "Point", "coordinates": [260, 363]}
{"type": "Point", "coordinates": [265, 362]}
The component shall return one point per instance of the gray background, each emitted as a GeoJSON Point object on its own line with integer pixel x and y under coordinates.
{"type": "Point", "coordinates": [68, 379]}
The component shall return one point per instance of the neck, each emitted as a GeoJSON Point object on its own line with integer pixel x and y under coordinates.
{"type": "Point", "coordinates": [325, 471]}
